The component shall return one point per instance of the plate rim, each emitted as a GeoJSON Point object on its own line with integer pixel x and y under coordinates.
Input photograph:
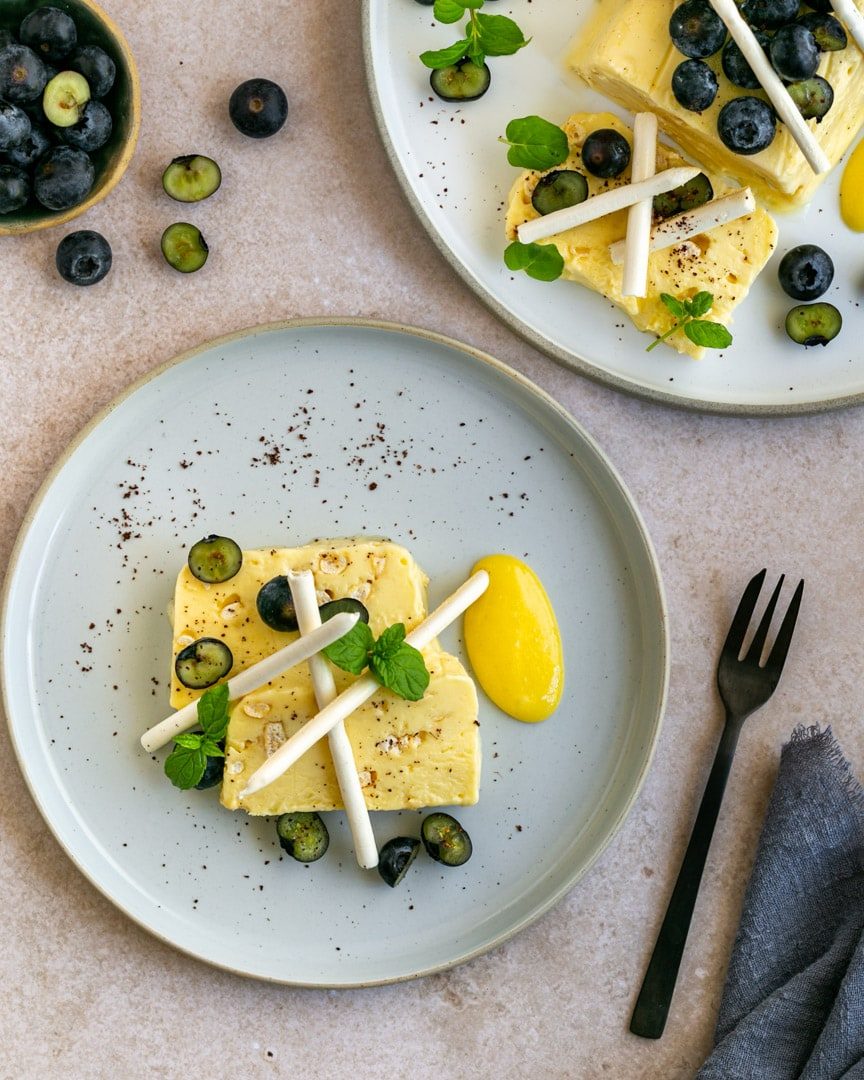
{"type": "Point", "coordinates": [567, 359]}
{"type": "Point", "coordinates": [654, 588]}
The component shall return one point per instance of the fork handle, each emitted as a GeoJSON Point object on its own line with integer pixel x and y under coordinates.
{"type": "Point", "coordinates": [655, 997]}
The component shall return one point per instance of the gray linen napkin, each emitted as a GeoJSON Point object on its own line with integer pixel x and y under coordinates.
{"type": "Point", "coordinates": [793, 1005]}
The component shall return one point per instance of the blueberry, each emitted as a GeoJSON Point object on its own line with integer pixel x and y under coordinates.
{"type": "Point", "coordinates": [213, 771]}
{"type": "Point", "coordinates": [821, 5]}
{"type": "Point", "coordinates": [806, 272]}
{"type": "Point", "coordinates": [28, 152]}
{"type": "Point", "coordinates": [97, 67]}
{"type": "Point", "coordinates": [794, 52]}
{"type": "Point", "coordinates": [814, 97]}
{"type": "Point", "coordinates": [696, 29]}
{"type": "Point", "coordinates": [92, 130]}
{"type": "Point", "coordinates": [5, 38]}
{"type": "Point", "coordinates": [258, 108]}
{"type": "Point", "coordinates": [63, 178]}
{"type": "Point", "coordinates": [747, 125]}
{"type": "Point", "coordinates": [814, 324]}
{"type": "Point", "coordinates": [83, 257]}
{"type": "Point", "coordinates": [276, 605]}
{"type": "Point", "coordinates": [22, 74]}
{"type": "Point", "coordinates": [769, 14]}
{"type": "Point", "coordinates": [735, 66]}
{"type": "Point", "coordinates": [50, 32]}
{"type": "Point", "coordinates": [606, 153]}
{"type": "Point", "coordinates": [694, 85]}
{"type": "Point", "coordinates": [14, 188]}
{"type": "Point", "coordinates": [830, 35]}
{"type": "Point", "coordinates": [15, 126]}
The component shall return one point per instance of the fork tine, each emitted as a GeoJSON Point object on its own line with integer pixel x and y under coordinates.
{"type": "Point", "coordinates": [777, 657]}
{"type": "Point", "coordinates": [735, 637]}
{"type": "Point", "coordinates": [754, 653]}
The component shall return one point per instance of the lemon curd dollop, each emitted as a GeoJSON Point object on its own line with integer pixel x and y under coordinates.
{"type": "Point", "coordinates": [513, 641]}
{"type": "Point", "coordinates": [852, 190]}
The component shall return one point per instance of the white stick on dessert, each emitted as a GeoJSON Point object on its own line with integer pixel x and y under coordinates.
{"type": "Point", "coordinates": [607, 202]}
{"type": "Point", "coordinates": [677, 229]}
{"type": "Point", "coordinates": [363, 689]}
{"type": "Point", "coordinates": [302, 585]}
{"type": "Point", "coordinates": [253, 677]}
{"type": "Point", "coordinates": [851, 14]}
{"type": "Point", "coordinates": [772, 84]}
{"type": "Point", "coordinates": [639, 215]}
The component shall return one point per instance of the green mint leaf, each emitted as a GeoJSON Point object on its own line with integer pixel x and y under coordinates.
{"type": "Point", "coordinates": [184, 766]}
{"type": "Point", "coordinates": [404, 671]}
{"type": "Point", "coordinates": [212, 749]}
{"type": "Point", "coordinates": [450, 11]}
{"type": "Point", "coordinates": [535, 143]}
{"type": "Point", "coordinates": [213, 711]}
{"type": "Point", "coordinates": [475, 52]}
{"type": "Point", "coordinates": [700, 305]}
{"type": "Point", "coordinates": [390, 641]}
{"type": "Point", "coordinates": [675, 306]}
{"type": "Point", "coordinates": [441, 58]}
{"type": "Point", "coordinates": [351, 651]}
{"type": "Point", "coordinates": [541, 261]}
{"type": "Point", "coordinates": [499, 36]}
{"type": "Point", "coordinates": [710, 335]}
{"type": "Point", "coordinates": [189, 740]}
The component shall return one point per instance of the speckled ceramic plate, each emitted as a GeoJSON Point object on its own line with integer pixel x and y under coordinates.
{"type": "Point", "coordinates": [261, 436]}
{"type": "Point", "coordinates": [456, 177]}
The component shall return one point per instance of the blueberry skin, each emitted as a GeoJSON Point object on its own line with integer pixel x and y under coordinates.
{"type": "Point", "coordinates": [14, 188]}
{"type": "Point", "coordinates": [97, 67]}
{"type": "Point", "coordinates": [694, 85]}
{"type": "Point", "coordinates": [63, 178]}
{"type": "Point", "coordinates": [794, 52]}
{"type": "Point", "coordinates": [747, 125]}
{"type": "Point", "coordinates": [213, 771]}
{"type": "Point", "coordinates": [806, 272]}
{"type": "Point", "coordinates": [606, 153]}
{"type": "Point", "coordinates": [735, 66]}
{"type": "Point", "coordinates": [83, 257]}
{"type": "Point", "coordinates": [15, 126]}
{"type": "Point", "coordinates": [22, 74]}
{"type": "Point", "coordinates": [50, 32]}
{"type": "Point", "coordinates": [821, 5]}
{"type": "Point", "coordinates": [28, 152]}
{"type": "Point", "coordinates": [258, 108]}
{"type": "Point", "coordinates": [830, 35]}
{"type": "Point", "coordinates": [769, 14]}
{"type": "Point", "coordinates": [92, 130]}
{"type": "Point", "coordinates": [696, 29]}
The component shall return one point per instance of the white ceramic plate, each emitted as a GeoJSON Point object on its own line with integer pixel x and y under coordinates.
{"type": "Point", "coordinates": [205, 445]}
{"type": "Point", "coordinates": [456, 177]}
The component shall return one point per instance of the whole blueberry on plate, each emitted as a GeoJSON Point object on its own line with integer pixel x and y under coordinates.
{"type": "Point", "coordinates": [83, 257]}
{"type": "Point", "coordinates": [747, 125]}
{"type": "Point", "coordinates": [50, 32]}
{"type": "Point", "coordinates": [92, 130]}
{"type": "Point", "coordinates": [736, 68]}
{"type": "Point", "coordinates": [694, 85]}
{"type": "Point", "coordinates": [15, 126]}
{"type": "Point", "coordinates": [794, 52]}
{"type": "Point", "coordinates": [63, 178]}
{"type": "Point", "coordinates": [696, 29]}
{"type": "Point", "coordinates": [806, 272]}
{"type": "Point", "coordinates": [22, 74]}
{"type": "Point", "coordinates": [830, 35]}
{"type": "Point", "coordinates": [96, 66]}
{"type": "Point", "coordinates": [258, 108]}
{"type": "Point", "coordinates": [606, 153]}
{"type": "Point", "coordinates": [769, 14]}
{"type": "Point", "coordinates": [14, 188]}
{"type": "Point", "coordinates": [27, 153]}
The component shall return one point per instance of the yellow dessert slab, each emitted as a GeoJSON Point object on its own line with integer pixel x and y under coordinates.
{"type": "Point", "coordinates": [625, 53]}
{"type": "Point", "coordinates": [725, 261]}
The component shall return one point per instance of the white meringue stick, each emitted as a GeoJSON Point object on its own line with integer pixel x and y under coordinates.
{"type": "Point", "coordinates": [302, 585]}
{"type": "Point", "coordinates": [849, 12]}
{"type": "Point", "coordinates": [772, 84]}
{"type": "Point", "coordinates": [638, 239]}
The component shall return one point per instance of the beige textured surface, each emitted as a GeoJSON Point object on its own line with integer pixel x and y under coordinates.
{"type": "Point", "coordinates": [87, 993]}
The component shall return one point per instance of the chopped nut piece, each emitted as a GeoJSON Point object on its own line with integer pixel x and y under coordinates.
{"type": "Point", "coordinates": [274, 736]}
{"type": "Point", "coordinates": [332, 563]}
{"type": "Point", "coordinates": [255, 708]}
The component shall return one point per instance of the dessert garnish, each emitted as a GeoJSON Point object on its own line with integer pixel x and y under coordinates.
{"type": "Point", "coordinates": [688, 317]}
{"type": "Point", "coordinates": [396, 857]}
{"type": "Point", "coordinates": [445, 840]}
{"type": "Point", "coordinates": [187, 762]}
{"type": "Point", "coordinates": [304, 836]}
{"type": "Point", "coordinates": [638, 239]}
{"type": "Point", "coordinates": [813, 324]}
{"type": "Point", "coordinates": [806, 272]}
{"type": "Point", "coordinates": [535, 143]}
{"type": "Point", "coordinates": [395, 664]}
{"type": "Point", "coordinates": [543, 262]}
{"type": "Point", "coordinates": [851, 14]}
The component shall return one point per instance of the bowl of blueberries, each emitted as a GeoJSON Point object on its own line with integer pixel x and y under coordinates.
{"type": "Point", "coordinates": [70, 110]}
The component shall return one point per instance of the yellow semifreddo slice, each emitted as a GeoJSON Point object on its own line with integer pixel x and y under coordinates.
{"type": "Point", "coordinates": [724, 261]}
{"type": "Point", "coordinates": [408, 754]}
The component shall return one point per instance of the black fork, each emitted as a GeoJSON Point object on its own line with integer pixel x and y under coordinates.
{"type": "Point", "coordinates": [745, 685]}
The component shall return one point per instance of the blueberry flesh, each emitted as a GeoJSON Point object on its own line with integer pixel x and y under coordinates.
{"type": "Point", "coordinates": [747, 125]}
{"type": "Point", "coordinates": [606, 153]}
{"type": "Point", "coordinates": [258, 108]}
{"type": "Point", "coordinates": [814, 324]}
{"type": "Point", "coordinates": [769, 14]}
{"type": "Point", "coordinates": [63, 178]}
{"type": "Point", "coordinates": [15, 126]}
{"type": "Point", "coordinates": [50, 32]}
{"type": "Point", "coordinates": [794, 52]}
{"type": "Point", "coordinates": [735, 66]}
{"type": "Point", "coordinates": [14, 188]}
{"type": "Point", "coordinates": [694, 85]}
{"type": "Point", "coordinates": [92, 130]}
{"type": "Point", "coordinates": [22, 74]}
{"type": "Point", "coordinates": [696, 29]}
{"type": "Point", "coordinates": [27, 153]}
{"type": "Point", "coordinates": [814, 97]}
{"type": "Point", "coordinates": [806, 272]}
{"type": "Point", "coordinates": [97, 67]}
{"type": "Point", "coordinates": [83, 257]}
{"type": "Point", "coordinates": [830, 35]}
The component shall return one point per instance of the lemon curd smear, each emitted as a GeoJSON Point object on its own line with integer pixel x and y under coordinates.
{"type": "Point", "coordinates": [513, 641]}
{"type": "Point", "coordinates": [852, 190]}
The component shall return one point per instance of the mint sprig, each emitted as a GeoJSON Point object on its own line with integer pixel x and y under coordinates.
{"type": "Point", "coordinates": [535, 143]}
{"type": "Point", "coordinates": [394, 663]}
{"type": "Point", "coordinates": [186, 763]}
{"type": "Point", "coordinates": [485, 35]}
{"type": "Point", "coordinates": [544, 262]}
{"type": "Point", "coordinates": [702, 332]}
